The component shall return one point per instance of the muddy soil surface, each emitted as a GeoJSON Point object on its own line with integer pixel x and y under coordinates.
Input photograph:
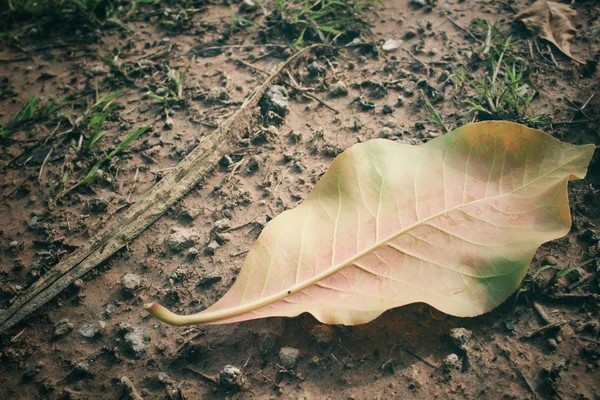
{"type": "Point", "coordinates": [81, 344]}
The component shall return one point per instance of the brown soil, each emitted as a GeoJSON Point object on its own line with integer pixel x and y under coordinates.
{"type": "Point", "coordinates": [399, 355]}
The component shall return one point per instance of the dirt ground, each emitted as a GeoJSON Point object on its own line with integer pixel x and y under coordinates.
{"type": "Point", "coordinates": [408, 352]}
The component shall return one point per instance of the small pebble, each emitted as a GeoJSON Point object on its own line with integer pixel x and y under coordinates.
{"type": "Point", "coordinates": [288, 357]}
{"type": "Point", "coordinates": [338, 89]}
{"type": "Point", "coordinates": [316, 69]}
{"type": "Point", "coordinates": [450, 362]}
{"type": "Point", "coordinates": [91, 330]}
{"type": "Point", "coordinates": [409, 34]}
{"type": "Point", "coordinates": [209, 279]}
{"type": "Point", "coordinates": [210, 249]}
{"type": "Point", "coordinates": [130, 283]}
{"type": "Point", "coordinates": [253, 164]}
{"type": "Point", "coordinates": [231, 377]}
{"type": "Point", "coordinates": [63, 327]}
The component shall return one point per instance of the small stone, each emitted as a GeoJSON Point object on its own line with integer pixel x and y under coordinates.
{"type": "Point", "coordinates": [98, 205]}
{"type": "Point", "coordinates": [98, 69]}
{"type": "Point", "coordinates": [248, 6]}
{"type": "Point", "coordinates": [366, 105]}
{"type": "Point", "coordinates": [130, 283]}
{"type": "Point", "coordinates": [33, 222]}
{"type": "Point", "coordinates": [222, 225]}
{"type": "Point", "coordinates": [409, 34]}
{"type": "Point", "coordinates": [168, 125]}
{"type": "Point", "coordinates": [109, 310]}
{"type": "Point", "coordinates": [210, 249]}
{"type": "Point", "coordinates": [590, 236]}
{"type": "Point", "coordinates": [180, 239]}
{"type": "Point", "coordinates": [391, 44]}
{"type": "Point", "coordinates": [418, 3]}
{"type": "Point", "coordinates": [387, 109]}
{"type": "Point", "coordinates": [316, 69]}
{"type": "Point", "coordinates": [14, 244]}
{"type": "Point", "coordinates": [450, 362]}
{"type": "Point", "coordinates": [443, 77]}
{"type": "Point", "coordinates": [288, 357]}
{"type": "Point", "coordinates": [223, 238]}
{"type": "Point", "coordinates": [550, 260]}
{"type": "Point", "coordinates": [552, 344]}
{"type": "Point", "coordinates": [89, 330]}
{"type": "Point", "coordinates": [231, 377]}
{"type": "Point", "coordinates": [137, 340]}
{"type": "Point", "coordinates": [161, 91]}
{"type": "Point", "coordinates": [461, 336]}
{"type": "Point", "coordinates": [209, 279]}
{"type": "Point", "coordinates": [324, 335]}
{"type": "Point", "coordinates": [386, 132]}
{"type": "Point", "coordinates": [193, 252]}
{"type": "Point", "coordinates": [78, 284]}
{"type": "Point", "coordinates": [216, 95]}
{"type": "Point", "coordinates": [253, 164]}
{"type": "Point", "coordinates": [63, 327]}
{"type": "Point", "coordinates": [225, 161]}
{"type": "Point", "coordinates": [338, 89]}
{"type": "Point", "coordinates": [275, 100]}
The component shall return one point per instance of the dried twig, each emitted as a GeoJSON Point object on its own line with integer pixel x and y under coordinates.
{"type": "Point", "coordinates": [133, 393]}
{"type": "Point", "coordinates": [143, 212]}
{"type": "Point", "coordinates": [463, 29]}
{"type": "Point", "coordinates": [412, 353]}
{"type": "Point", "coordinates": [203, 375]}
{"type": "Point", "coordinates": [543, 330]}
{"type": "Point", "coordinates": [588, 339]}
{"type": "Point", "coordinates": [305, 92]}
{"type": "Point", "coordinates": [516, 367]}
{"type": "Point", "coordinates": [6, 196]}
{"type": "Point", "coordinates": [542, 313]}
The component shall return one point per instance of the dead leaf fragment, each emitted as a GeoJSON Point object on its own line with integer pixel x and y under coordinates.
{"type": "Point", "coordinates": [552, 22]}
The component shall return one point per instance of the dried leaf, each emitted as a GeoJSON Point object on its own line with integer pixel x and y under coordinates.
{"type": "Point", "coordinates": [552, 22]}
{"type": "Point", "coordinates": [453, 223]}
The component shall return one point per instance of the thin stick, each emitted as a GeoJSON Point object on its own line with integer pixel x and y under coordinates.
{"type": "Point", "coordinates": [516, 367]}
{"type": "Point", "coordinates": [44, 164]}
{"type": "Point", "coordinates": [542, 313]}
{"type": "Point", "coordinates": [412, 353]}
{"type": "Point", "coordinates": [423, 63]}
{"type": "Point", "coordinates": [254, 67]}
{"type": "Point", "coordinates": [543, 330]}
{"type": "Point", "coordinates": [573, 297]}
{"type": "Point", "coordinates": [133, 393]}
{"type": "Point", "coordinates": [203, 376]}
{"type": "Point", "coordinates": [235, 228]}
{"type": "Point", "coordinates": [14, 190]}
{"type": "Point", "coordinates": [587, 339]}
{"type": "Point", "coordinates": [463, 29]}
{"type": "Point", "coordinates": [551, 55]}
{"type": "Point", "coordinates": [305, 92]}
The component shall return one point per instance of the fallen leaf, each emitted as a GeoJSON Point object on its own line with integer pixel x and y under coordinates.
{"type": "Point", "coordinates": [453, 223]}
{"type": "Point", "coordinates": [552, 22]}
{"type": "Point", "coordinates": [391, 44]}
